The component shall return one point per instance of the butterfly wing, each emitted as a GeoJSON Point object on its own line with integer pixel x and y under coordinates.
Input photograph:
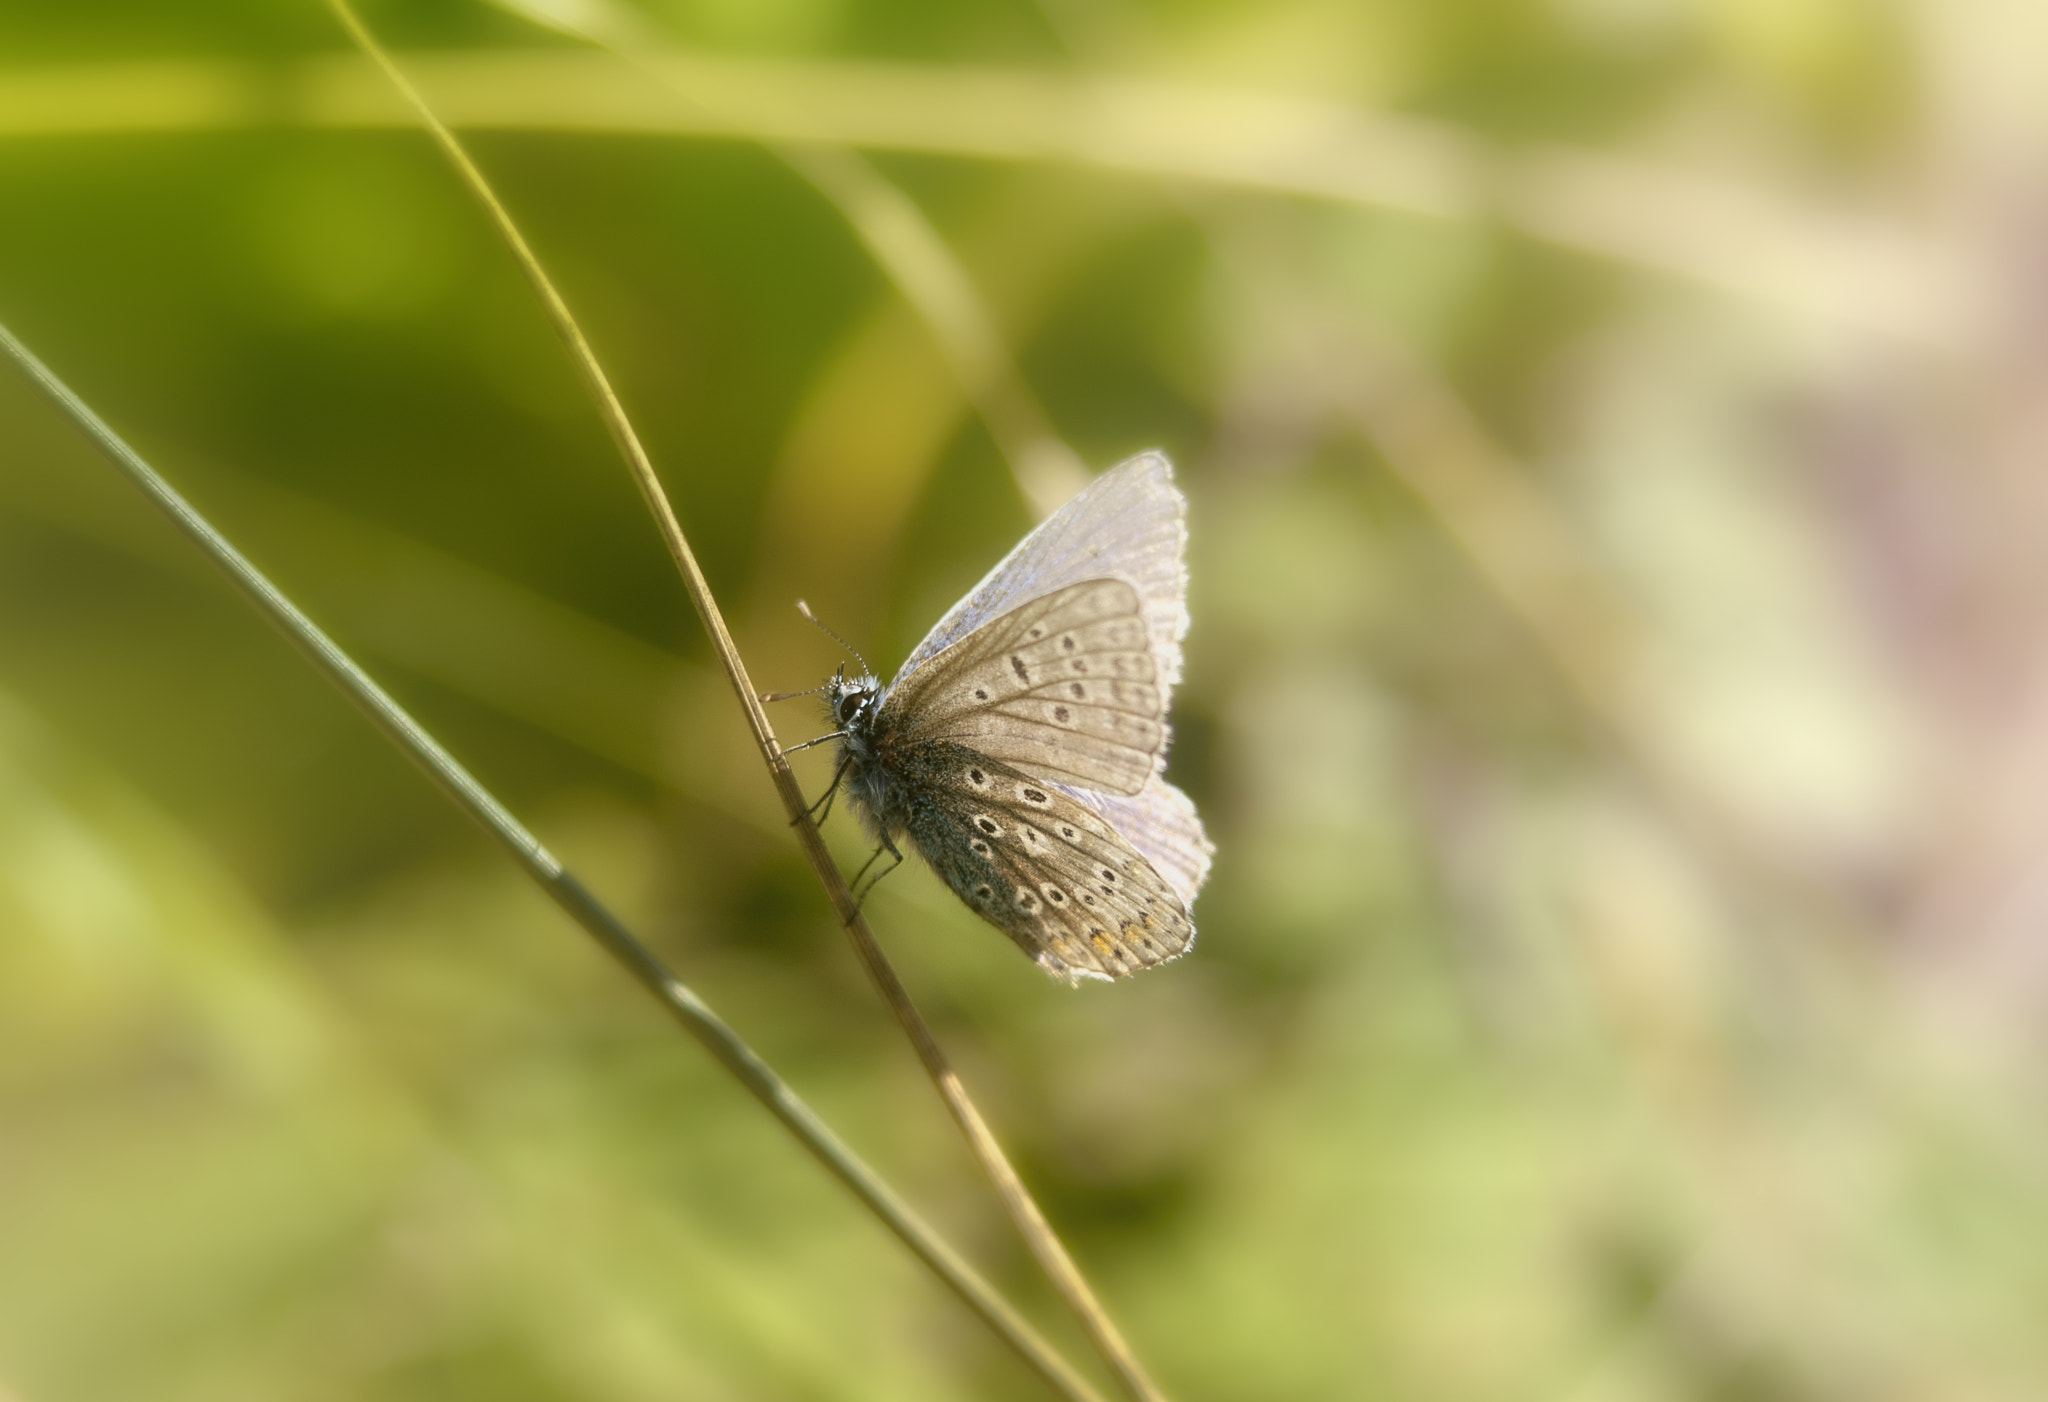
{"type": "Point", "coordinates": [1161, 822]}
{"type": "Point", "coordinates": [1064, 685]}
{"type": "Point", "coordinates": [1047, 870]}
{"type": "Point", "coordinates": [1131, 522]}
{"type": "Point", "coordinates": [1040, 797]}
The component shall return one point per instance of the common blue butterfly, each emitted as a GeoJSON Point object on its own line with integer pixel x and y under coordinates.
{"type": "Point", "coordinates": [1021, 746]}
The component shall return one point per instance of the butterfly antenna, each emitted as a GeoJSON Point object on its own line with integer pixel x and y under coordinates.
{"type": "Point", "coordinates": [805, 609]}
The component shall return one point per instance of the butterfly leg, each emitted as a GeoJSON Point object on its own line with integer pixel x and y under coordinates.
{"type": "Point", "coordinates": [861, 897]}
{"type": "Point", "coordinates": [821, 810]}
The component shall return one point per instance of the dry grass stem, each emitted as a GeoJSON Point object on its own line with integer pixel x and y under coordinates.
{"type": "Point", "coordinates": [1030, 1221]}
{"type": "Point", "coordinates": [903, 243]}
{"type": "Point", "coordinates": [682, 1002]}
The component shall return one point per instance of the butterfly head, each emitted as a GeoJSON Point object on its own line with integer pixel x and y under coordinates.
{"type": "Point", "coordinates": [851, 703]}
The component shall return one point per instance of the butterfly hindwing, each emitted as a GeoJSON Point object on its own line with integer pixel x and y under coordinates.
{"type": "Point", "coordinates": [1048, 871]}
{"type": "Point", "coordinates": [1064, 685]}
{"type": "Point", "coordinates": [1162, 824]}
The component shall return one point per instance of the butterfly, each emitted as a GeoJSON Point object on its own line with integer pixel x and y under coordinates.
{"type": "Point", "coordinates": [1022, 745]}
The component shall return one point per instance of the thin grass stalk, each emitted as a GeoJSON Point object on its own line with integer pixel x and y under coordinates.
{"type": "Point", "coordinates": [1038, 1235]}
{"type": "Point", "coordinates": [1831, 268]}
{"type": "Point", "coordinates": [930, 278]}
{"type": "Point", "coordinates": [683, 1003]}
{"type": "Point", "coordinates": [905, 246]}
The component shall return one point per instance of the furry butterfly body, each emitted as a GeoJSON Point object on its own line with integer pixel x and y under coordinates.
{"type": "Point", "coordinates": [1021, 747]}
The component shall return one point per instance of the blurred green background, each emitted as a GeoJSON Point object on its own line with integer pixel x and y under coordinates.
{"type": "Point", "coordinates": [1618, 692]}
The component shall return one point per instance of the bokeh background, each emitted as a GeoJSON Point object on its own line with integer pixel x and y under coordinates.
{"type": "Point", "coordinates": [1615, 441]}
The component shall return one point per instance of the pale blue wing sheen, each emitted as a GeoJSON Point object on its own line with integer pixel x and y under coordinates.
{"type": "Point", "coordinates": [1129, 523]}
{"type": "Point", "coordinates": [1162, 824]}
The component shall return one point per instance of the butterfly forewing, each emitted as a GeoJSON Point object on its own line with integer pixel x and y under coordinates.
{"type": "Point", "coordinates": [1128, 523]}
{"type": "Point", "coordinates": [1064, 686]}
{"type": "Point", "coordinates": [1049, 871]}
